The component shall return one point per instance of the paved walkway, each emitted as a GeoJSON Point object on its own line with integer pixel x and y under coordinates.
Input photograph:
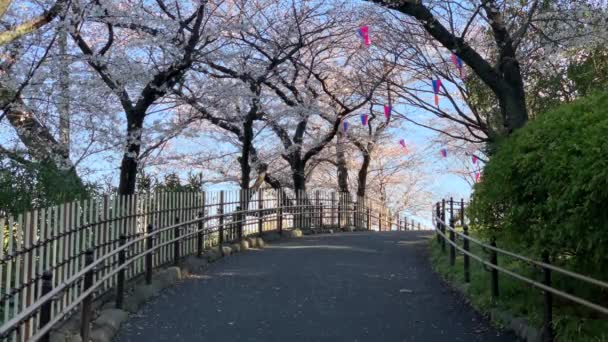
{"type": "Point", "coordinates": [342, 287]}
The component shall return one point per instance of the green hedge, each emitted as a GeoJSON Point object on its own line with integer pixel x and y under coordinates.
{"type": "Point", "coordinates": [546, 188]}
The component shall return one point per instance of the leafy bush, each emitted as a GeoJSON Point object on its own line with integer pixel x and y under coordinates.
{"type": "Point", "coordinates": [546, 188]}
{"type": "Point", "coordinates": [36, 185]}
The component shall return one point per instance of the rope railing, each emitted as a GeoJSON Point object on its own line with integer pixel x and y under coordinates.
{"type": "Point", "coordinates": [447, 234]}
{"type": "Point", "coordinates": [138, 239]}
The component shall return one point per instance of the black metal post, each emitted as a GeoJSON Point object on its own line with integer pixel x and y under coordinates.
{"type": "Point", "coordinates": [87, 302]}
{"type": "Point", "coordinates": [176, 243]}
{"type": "Point", "coordinates": [260, 217]}
{"type": "Point", "coordinates": [317, 208]}
{"type": "Point", "coordinates": [321, 216]}
{"type": "Point", "coordinates": [494, 272]}
{"type": "Point", "coordinates": [452, 234]}
{"type": "Point", "coordinates": [462, 212]}
{"type": "Point", "coordinates": [340, 205]}
{"type": "Point", "coordinates": [45, 310]}
{"type": "Point", "coordinates": [220, 212]}
{"type": "Point", "coordinates": [236, 225]}
{"type": "Point", "coordinates": [280, 214]}
{"type": "Point", "coordinates": [369, 218]}
{"type": "Point", "coordinates": [120, 278]}
{"type": "Point", "coordinates": [443, 225]}
{"type": "Point", "coordinates": [333, 208]}
{"type": "Point", "coordinates": [467, 270]}
{"type": "Point", "coordinates": [547, 334]}
{"type": "Point", "coordinates": [149, 246]}
{"type": "Point", "coordinates": [200, 234]}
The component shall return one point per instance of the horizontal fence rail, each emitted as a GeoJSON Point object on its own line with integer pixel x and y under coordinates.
{"type": "Point", "coordinates": [447, 233]}
{"type": "Point", "coordinates": [55, 261]}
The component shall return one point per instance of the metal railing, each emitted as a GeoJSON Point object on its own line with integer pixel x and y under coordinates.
{"type": "Point", "coordinates": [56, 261]}
{"type": "Point", "coordinates": [446, 233]}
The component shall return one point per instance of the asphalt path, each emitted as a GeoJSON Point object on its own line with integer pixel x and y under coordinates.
{"type": "Point", "coordinates": [360, 286]}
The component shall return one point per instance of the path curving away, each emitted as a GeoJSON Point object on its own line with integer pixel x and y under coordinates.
{"type": "Point", "coordinates": [342, 287]}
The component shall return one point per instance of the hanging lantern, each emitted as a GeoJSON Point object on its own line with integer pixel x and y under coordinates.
{"type": "Point", "coordinates": [474, 158]}
{"type": "Point", "coordinates": [436, 90]}
{"type": "Point", "coordinates": [345, 126]}
{"type": "Point", "coordinates": [402, 143]}
{"type": "Point", "coordinates": [444, 152]}
{"type": "Point", "coordinates": [364, 118]}
{"type": "Point", "coordinates": [364, 35]}
{"type": "Point", "coordinates": [387, 112]}
{"type": "Point", "coordinates": [458, 63]}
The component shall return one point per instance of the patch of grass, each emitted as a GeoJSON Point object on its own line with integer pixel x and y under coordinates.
{"type": "Point", "coordinates": [572, 323]}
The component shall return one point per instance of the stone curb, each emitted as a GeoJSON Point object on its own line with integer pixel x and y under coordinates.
{"type": "Point", "coordinates": [108, 319]}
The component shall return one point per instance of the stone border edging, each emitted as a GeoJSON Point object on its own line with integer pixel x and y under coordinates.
{"type": "Point", "coordinates": [108, 319]}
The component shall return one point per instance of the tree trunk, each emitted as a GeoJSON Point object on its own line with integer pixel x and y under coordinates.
{"type": "Point", "coordinates": [512, 99]}
{"type": "Point", "coordinates": [299, 187]}
{"type": "Point", "coordinates": [64, 91]}
{"type": "Point", "coordinates": [506, 82]}
{"type": "Point", "coordinates": [41, 144]}
{"type": "Point", "coordinates": [341, 165]}
{"type": "Point", "coordinates": [130, 160]}
{"type": "Point", "coordinates": [246, 140]}
{"type": "Point", "coordinates": [362, 175]}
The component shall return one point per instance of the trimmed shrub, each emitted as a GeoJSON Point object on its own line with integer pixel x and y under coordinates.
{"type": "Point", "coordinates": [546, 188]}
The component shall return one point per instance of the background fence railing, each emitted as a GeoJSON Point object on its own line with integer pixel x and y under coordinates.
{"type": "Point", "coordinates": [448, 234]}
{"type": "Point", "coordinates": [57, 259]}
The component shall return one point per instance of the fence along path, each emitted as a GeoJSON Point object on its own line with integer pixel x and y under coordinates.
{"type": "Point", "coordinates": [447, 233]}
{"type": "Point", "coordinates": [48, 253]}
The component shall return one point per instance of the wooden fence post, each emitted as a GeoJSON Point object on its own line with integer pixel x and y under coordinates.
{"type": "Point", "coordinates": [340, 205]}
{"type": "Point", "coordinates": [220, 212]}
{"type": "Point", "coordinates": [200, 234]}
{"type": "Point", "coordinates": [443, 225]}
{"type": "Point", "coordinates": [45, 311]}
{"type": "Point", "coordinates": [369, 218]}
{"type": "Point", "coordinates": [452, 235]}
{"type": "Point", "coordinates": [321, 216]}
{"type": "Point", "coordinates": [260, 207]}
{"type": "Point", "coordinates": [467, 270]}
{"type": "Point", "coordinates": [87, 302]}
{"type": "Point", "coordinates": [493, 271]}
{"type": "Point", "coordinates": [317, 207]}
{"type": "Point", "coordinates": [176, 235]}
{"type": "Point", "coordinates": [333, 208]}
{"type": "Point", "coordinates": [547, 334]}
{"type": "Point", "coordinates": [280, 212]}
{"type": "Point", "coordinates": [149, 246]}
{"type": "Point", "coordinates": [120, 278]}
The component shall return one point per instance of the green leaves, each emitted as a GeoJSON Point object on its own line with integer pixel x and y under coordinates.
{"type": "Point", "coordinates": [546, 188]}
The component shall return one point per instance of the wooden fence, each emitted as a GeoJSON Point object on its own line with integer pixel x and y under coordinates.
{"type": "Point", "coordinates": [447, 214]}
{"type": "Point", "coordinates": [54, 242]}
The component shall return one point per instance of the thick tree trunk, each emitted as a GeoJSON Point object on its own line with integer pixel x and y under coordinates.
{"type": "Point", "coordinates": [64, 91]}
{"type": "Point", "coordinates": [362, 175]}
{"type": "Point", "coordinates": [299, 187]}
{"type": "Point", "coordinates": [130, 159]}
{"type": "Point", "coordinates": [341, 165]}
{"type": "Point", "coordinates": [512, 99]}
{"type": "Point", "coordinates": [246, 140]}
